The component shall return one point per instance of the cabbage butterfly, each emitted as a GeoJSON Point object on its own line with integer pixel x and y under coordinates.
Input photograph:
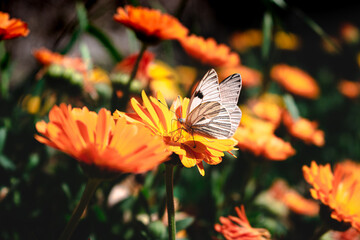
{"type": "Point", "coordinates": [213, 110]}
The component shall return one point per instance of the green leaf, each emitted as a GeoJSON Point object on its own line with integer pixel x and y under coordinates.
{"type": "Point", "coordinates": [157, 230]}
{"type": "Point", "coordinates": [3, 133]}
{"type": "Point", "coordinates": [291, 106]}
{"type": "Point", "coordinates": [85, 54]}
{"type": "Point", "coordinates": [82, 16]}
{"type": "Point", "coordinates": [6, 163]}
{"type": "Point", "coordinates": [267, 35]}
{"type": "Point", "coordinates": [105, 41]}
{"type": "Point", "coordinates": [100, 215]}
{"type": "Point", "coordinates": [184, 223]}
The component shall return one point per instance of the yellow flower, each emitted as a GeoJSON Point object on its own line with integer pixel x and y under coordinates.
{"type": "Point", "coordinates": [162, 121]}
{"type": "Point", "coordinates": [242, 41]}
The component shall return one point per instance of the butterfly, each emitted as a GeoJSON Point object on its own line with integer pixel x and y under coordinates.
{"type": "Point", "coordinates": [213, 110]}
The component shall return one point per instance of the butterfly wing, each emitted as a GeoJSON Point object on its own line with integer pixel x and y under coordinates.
{"type": "Point", "coordinates": [207, 90]}
{"type": "Point", "coordinates": [230, 89]}
{"type": "Point", "coordinates": [210, 119]}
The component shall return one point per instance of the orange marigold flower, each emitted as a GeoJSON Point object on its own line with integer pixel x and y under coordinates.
{"type": "Point", "coordinates": [340, 191]}
{"type": "Point", "coordinates": [208, 51]}
{"type": "Point", "coordinates": [239, 228]}
{"type": "Point", "coordinates": [268, 107]}
{"type": "Point", "coordinates": [293, 200]}
{"type": "Point", "coordinates": [100, 141]}
{"type": "Point", "coordinates": [127, 65]}
{"type": "Point", "coordinates": [150, 25]}
{"type": "Point", "coordinates": [46, 57]}
{"type": "Point", "coordinates": [286, 41]}
{"type": "Point", "coordinates": [349, 89]}
{"type": "Point", "coordinates": [351, 234]}
{"type": "Point", "coordinates": [350, 33]}
{"type": "Point", "coordinates": [304, 129]}
{"type": "Point", "coordinates": [295, 81]}
{"type": "Point", "coordinates": [12, 28]}
{"type": "Point", "coordinates": [250, 77]}
{"type": "Point", "coordinates": [242, 41]}
{"type": "Point", "coordinates": [257, 136]}
{"type": "Point", "coordinates": [161, 120]}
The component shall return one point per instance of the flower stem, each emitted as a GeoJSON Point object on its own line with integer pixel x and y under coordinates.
{"type": "Point", "coordinates": [169, 177]}
{"type": "Point", "coordinates": [116, 104]}
{"type": "Point", "coordinates": [321, 230]}
{"type": "Point", "coordinates": [90, 188]}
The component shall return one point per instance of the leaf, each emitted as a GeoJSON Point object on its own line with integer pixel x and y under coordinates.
{"type": "Point", "coordinates": [291, 106]}
{"type": "Point", "coordinates": [3, 133]}
{"type": "Point", "coordinates": [82, 16]}
{"type": "Point", "coordinates": [157, 230]}
{"type": "Point", "coordinates": [184, 223]}
{"type": "Point", "coordinates": [6, 163]}
{"type": "Point", "coordinates": [266, 29]}
{"type": "Point", "coordinates": [105, 41]}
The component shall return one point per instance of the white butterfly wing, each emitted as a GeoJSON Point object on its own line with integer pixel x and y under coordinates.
{"type": "Point", "coordinates": [230, 89]}
{"type": "Point", "coordinates": [207, 90]}
{"type": "Point", "coordinates": [210, 119]}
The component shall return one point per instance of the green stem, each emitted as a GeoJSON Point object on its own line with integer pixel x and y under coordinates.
{"type": "Point", "coordinates": [169, 177]}
{"type": "Point", "coordinates": [321, 230]}
{"type": "Point", "coordinates": [116, 104]}
{"type": "Point", "coordinates": [90, 188]}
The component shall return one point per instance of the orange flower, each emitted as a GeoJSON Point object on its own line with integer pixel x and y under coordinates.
{"type": "Point", "coordinates": [257, 136]}
{"type": "Point", "coordinates": [295, 81]}
{"type": "Point", "coordinates": [350, 33]}
{"type": "Point", "coordinates": [161, 120]}
{"type": "Point", "coordinates": [209, 52]}
{"type": "Point", "coordinates": [127, 65]}
{"type": "Point", "coordinates": [286, 41]}
{"type": "Point", "coordinates": [268, 107]}
{"type": "Point", "coordinates": [100, 141]}
{"type": "Point", "coordinates": [12, 28]}
{"type": "Point", "coordinates": [340, 191]}
{"type": "Point", "coordinates": [242, 41]}
{"type": "Point", "coordinates": [293, 200]}
{"type": "Point", "coordinates": [239, 228]}
{"type": "Point", "coordinates": [150, 25]}
{"type": "Point", "coordinates": [250, 77]}
{"type": "Point", "coordinates": [349, 89]}
{"type": "Point", "coordinates": [304, 129]}
{"type": "Point", "coordinates": [46, 57]}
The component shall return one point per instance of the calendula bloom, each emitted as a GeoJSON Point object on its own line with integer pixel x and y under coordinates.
{"type": "Point", "coordinates": [257, 136]}
{"type": "Point", "coordinates": [162, 121]}
{"type": "Point", "coordinates": [239, 228]}
{"type": "Point", "coordinates": [12, 28]}
{"type": "Point", "coordinates": [150, 25]}
{"type": "Point", "coordinates": [351, 234]}
{"type": "Point", "coordinates": [46, 57]}
{"type": "Point", "coordinates": [127, 65]}
{"type": "Point", "coordinates": [350, 33]}
{"type": "Point", "coordinates": [268, 107]}
{"type": "Point", "coordinates": [250, 77]}
{"type": "Point", "coordinates": [293, 200]}
{"type": "Point", "coordinates": [304, 129]}
{"type": "Point", "coordinates": [242, 41]}
{"type": "Point", "coordinates": [165, 79]}
{"type": "Point", "coordinates": [349, 89]}
{"type": "Point", "coordinates": [339, 191]}
{"type": "Point", "coordinates": [208, 51]}
{"type": "Point", "coordinates": [286, 41]}
{"type": "Point", "coordinates": [100, 141]}
{"type": "Point", "coordinates": [295, 80]}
